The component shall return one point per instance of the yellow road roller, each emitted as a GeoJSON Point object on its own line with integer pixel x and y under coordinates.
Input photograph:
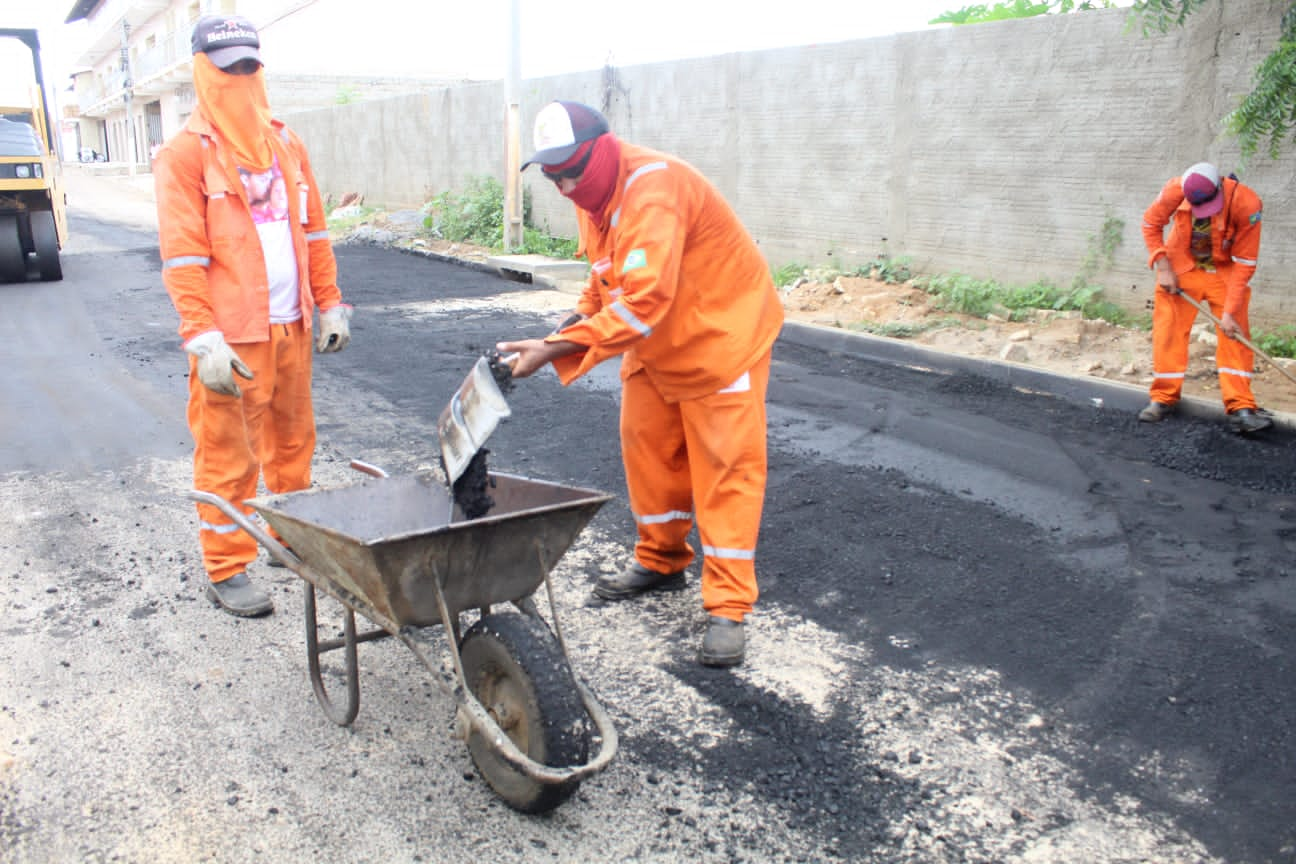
{"type": "Point", "coordinates": [33, 204]}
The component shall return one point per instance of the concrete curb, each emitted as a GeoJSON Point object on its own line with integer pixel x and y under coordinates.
{"type": "Point", "coordinates": [1082, 390]}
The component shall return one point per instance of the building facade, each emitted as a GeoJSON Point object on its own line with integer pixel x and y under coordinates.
{"type": "Point", "coordinates": [135, 88]}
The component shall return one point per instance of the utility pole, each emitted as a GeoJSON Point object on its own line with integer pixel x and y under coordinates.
{"type": "Point", "coordinates": [128, 85]}
{"type": "Point", "coordinates": [513, 228]}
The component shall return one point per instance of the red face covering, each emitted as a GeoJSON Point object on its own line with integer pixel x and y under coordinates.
{"type": "Point", "coordinates": [237, 106]}
{"type": "Point", "coordinates": [598, 181]}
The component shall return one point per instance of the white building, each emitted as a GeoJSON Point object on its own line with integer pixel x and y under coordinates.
{"type": "Point", "coordinates": [136, 89]}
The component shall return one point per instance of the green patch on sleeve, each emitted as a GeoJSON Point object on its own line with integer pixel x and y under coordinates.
{"type": "Point", "coordinates": [1255, 217]}
{"type": "Point", "coordinates": [635, 260]}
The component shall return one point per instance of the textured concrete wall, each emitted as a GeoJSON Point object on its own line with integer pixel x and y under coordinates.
{"type": "Point", "coordinates": [998, 151]}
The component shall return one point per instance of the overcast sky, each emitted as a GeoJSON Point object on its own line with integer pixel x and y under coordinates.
{"type": "Point", "coordinates": [471, 39]}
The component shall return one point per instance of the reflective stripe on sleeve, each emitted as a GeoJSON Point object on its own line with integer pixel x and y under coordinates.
{"type": "Point", "coordinates": [644, 169]}
{"type": "Point", "coordinates": [1249, 262]}
{"type": "Point", "coordinates": [627, 316]}
{"type": "Point", "coordinates": [317, 235]}
{"type": "Point", "coordinates": [639, 172]}
{"type": "Point", "coordinates": [185, 261]}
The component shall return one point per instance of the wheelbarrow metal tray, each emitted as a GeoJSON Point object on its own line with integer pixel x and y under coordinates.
{"type": "Point", "coordinates": [382, 541]}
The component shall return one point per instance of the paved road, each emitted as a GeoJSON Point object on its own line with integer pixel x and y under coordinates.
{"type": "Point", "coordinates": [996, 625]}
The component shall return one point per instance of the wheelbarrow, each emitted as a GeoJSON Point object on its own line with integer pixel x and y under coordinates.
{"type": "Point", "coordinates": [390, 549]}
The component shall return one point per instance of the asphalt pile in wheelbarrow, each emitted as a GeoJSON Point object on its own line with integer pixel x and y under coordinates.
{"type": "Point", "coordinates": [471, 489]}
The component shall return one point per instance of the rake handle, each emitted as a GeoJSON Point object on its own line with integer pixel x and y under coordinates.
{"type": "Point", "coordinates": [1205, 310]}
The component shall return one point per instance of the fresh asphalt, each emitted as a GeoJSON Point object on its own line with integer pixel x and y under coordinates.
{"type": "Point", "coordinates": [1000, 619]}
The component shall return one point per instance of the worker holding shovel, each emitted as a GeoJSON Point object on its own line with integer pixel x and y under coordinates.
{"type": "Point", "coordinates": [1206, 262]}
{"type": "Point", "coordinates": [680, 290]}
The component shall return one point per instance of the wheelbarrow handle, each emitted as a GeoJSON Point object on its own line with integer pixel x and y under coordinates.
{"type": "Point", "coordinates": [276, 549]}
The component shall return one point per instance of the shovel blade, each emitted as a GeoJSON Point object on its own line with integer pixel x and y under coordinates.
{"type": "Point", "coordinates": [470, 418]}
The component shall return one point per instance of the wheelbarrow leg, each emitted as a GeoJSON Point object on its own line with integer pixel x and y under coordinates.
{"type": "Point", "coordinates": [342, 716]}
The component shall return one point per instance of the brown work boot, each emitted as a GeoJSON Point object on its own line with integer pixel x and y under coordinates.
{"type": "Point", "coordinates": [238, 596]}
{"type": "Point", "coordinates": [723, 644]}
{"type": "Point", "coordinates": [637, 579]}
{"type": "Point", "coordinates": [1155, 412]}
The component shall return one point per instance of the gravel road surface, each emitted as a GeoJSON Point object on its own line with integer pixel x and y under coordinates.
{"type": "Point", "coordinates": [997, 623]}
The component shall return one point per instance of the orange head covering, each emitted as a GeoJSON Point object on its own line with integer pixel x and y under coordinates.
{"type": "Point", "coordinates": [237, 106]}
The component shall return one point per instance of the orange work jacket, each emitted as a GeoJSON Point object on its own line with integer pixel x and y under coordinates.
{"type": "Point", "coordinates": [677, 285]}
{"type": "Point", "coordinates": [212, 263]}
{"type": "Point", "coordinates": [1235, 236]}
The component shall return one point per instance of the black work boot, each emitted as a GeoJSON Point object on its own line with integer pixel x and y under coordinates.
{"type": "Point", "coordinates": [637, 579]}
{"type": "Point", "coordinates": [238, 596]}
{"type": "Point", "coordinates": [1247, 420]}
{"type": "Point", "coordinates": [723, 644]}
{"type": "Point", "coordinates": [1155, 412]}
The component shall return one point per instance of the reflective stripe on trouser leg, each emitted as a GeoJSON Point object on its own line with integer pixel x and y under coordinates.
{"type": "Point", "coordinates": [726, 442]}
{"type": "Point", "coordinates": [655, 458]}
{"type": "Point", "coordinates": [227, 434]}
{"type": "Point", "coordinates": [1234, 362]}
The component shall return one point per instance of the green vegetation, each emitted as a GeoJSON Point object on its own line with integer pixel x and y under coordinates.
{"type": "Point", "coordinates": [361, 215]}
{"type": "Point", "coordinates": [902, 329]}
{"type": "Point", "coordinates": [1265, 117]}
{"type": "Point", "coordinates": [476, 215]}
{"type": "Point", "coordinates": [1277, 343]}
{"type": "Point", "coordinates": [893, 271]}
{"type": "Point", "coordinates": [982, 298]}
{"type": "Point", "coordinates": [981, 13]}
{"type": "Point", "coordinates": [1269, 110]}
{"type": "Point", "coordinates": [787, 274]}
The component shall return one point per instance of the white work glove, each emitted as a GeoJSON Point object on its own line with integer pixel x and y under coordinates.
{"type": "Point", "coordinates": [335, 329]}
{"type": "Point", "coordinates": [217, 362]}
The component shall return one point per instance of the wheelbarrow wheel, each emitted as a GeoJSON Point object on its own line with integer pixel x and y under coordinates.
{"type": "Point", "coordinates": [513, 665]}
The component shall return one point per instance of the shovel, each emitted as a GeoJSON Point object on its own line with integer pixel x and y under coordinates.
{"type": "Point", "coordinates": [470, 418]}
{"type": "Point", "coordinates": [1205, 310]}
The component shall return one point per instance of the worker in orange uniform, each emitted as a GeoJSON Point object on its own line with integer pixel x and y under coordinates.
{"type": "Point", "coordinates": [1210, 255]}
{"type": "Point", "coordinates": [245, 282]}
{"type": "Point", "coordinates": [678, 288]}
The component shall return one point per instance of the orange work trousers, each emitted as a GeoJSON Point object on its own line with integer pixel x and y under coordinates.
{"type": "Point", "coordinates": [705, 455]}
{"type": "Point", "coordinates": [267, 433]}
{"type": "Point", "coordinates": [1172, 321]}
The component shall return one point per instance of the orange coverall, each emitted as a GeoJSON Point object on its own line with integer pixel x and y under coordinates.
{"type": "Point", "coordinates": [680, 289]}
{"type": "Point", "coordinates": [1224, 284]}
{"type": "Point", "coordinates": [214, 270]}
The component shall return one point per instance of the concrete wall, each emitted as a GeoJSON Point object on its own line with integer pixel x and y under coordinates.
{"type": "Point", "coordinates": [998, 150]}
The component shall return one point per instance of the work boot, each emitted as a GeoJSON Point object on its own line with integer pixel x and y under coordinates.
{"type": "Point", "coordinates": [1247, 420]}
{"type": "Point", "coordinates": [723, 644]}
{"type": "Point", "coordinates": [637, 579]}
{"type": "Point", "coordinates": [238, 596]}
{"type": "Point", "coordinates": [1155, 412]}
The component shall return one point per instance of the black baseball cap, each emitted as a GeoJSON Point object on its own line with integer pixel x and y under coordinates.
{"type": "Point", "coordinates": [226, 39]}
